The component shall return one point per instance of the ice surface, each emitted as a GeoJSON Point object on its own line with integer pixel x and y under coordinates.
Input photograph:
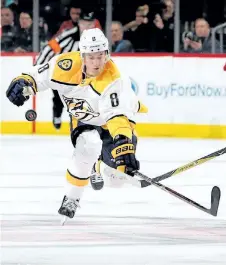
{"type": "Point", "coordinates": [114, 226]}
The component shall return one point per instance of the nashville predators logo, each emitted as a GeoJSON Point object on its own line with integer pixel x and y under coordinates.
{"type": "Point", "coordinates": [65, 64]}
{"type": "Point", "coordinates": [80, 109]}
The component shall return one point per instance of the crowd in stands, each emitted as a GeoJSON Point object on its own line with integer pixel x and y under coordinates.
{"type": "Point", "coordinates": [16, 35]}
{"type": "Point", "coordinates": [152, 30]}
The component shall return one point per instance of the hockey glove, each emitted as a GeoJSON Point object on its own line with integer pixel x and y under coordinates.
{"type": "Point", "coordinates": [124, 155]}
{"type": "Point", "coordinates": [15, 91]}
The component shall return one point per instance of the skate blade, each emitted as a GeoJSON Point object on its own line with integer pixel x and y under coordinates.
{"type": "Point", "coordinates": [63, 221]}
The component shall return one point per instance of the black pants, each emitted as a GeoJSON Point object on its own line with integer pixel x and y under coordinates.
{"type": "Point", "coordinates": [58, 106]}
{"type": "Point", "coordinates": [107, 141]}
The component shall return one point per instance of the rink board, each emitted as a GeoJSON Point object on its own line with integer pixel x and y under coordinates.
{"type": "Point", "coordinates": [185, 96]}
{"type": "Point", "coordinates": [143, 130]}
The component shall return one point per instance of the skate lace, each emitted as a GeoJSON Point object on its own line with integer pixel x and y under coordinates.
{"type": "Point", "coordinates": [96, 178]}
{"type": "Point", "coordinates": [71, 204]}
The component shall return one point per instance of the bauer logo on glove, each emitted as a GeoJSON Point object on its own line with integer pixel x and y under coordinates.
{"type": "Point", "coordinates": [124, 149]}
{"type": "Point", "coordinates": [124, 154]}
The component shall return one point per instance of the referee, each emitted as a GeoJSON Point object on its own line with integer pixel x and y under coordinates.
{"type": "Point", "coordinates": [67, 41]}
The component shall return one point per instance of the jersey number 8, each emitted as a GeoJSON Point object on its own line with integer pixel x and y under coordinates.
{"type": "Point", "coordinates": [114, 99]}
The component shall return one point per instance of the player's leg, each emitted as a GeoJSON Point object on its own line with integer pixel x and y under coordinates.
{"type": "Point", "coordinates": [87, 143]}
{"type": "Point", "coordinates": [57, 109]}
{"type": "Point", "coordinates": [96, 179]}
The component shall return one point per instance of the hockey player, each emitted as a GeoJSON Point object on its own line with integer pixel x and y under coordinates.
{"type": "Point", "coordinates": [67, 41]}
{"type": "Point", "coordinates": [101, 105]}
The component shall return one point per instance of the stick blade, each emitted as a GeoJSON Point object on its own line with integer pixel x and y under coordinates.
{"type": "Point", "coordinates": [215, 200]}
{"type": "Point", "coordinates": [144, 183]}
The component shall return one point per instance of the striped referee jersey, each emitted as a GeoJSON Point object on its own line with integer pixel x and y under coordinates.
{"type": "Point", "coordinates": [67, 41]}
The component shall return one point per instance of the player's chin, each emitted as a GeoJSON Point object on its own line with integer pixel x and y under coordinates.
{"type": "Point", "coordinates": [97, 71]}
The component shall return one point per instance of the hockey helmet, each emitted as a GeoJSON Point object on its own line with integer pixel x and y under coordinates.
{"type": "Point", "coordinates": [93, 40]}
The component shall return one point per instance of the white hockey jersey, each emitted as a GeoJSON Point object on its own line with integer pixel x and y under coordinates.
{"type": "Point", "coordinates": [106, 100]}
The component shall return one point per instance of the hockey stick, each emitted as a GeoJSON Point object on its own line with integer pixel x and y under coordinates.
{"type": "Point", "coordinates": [181, 169]}
{"type": "Point", "coordinates": [215, 195]}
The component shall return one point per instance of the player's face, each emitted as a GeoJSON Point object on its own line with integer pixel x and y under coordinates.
{"type": "Point", "coordinates": [94, 63]}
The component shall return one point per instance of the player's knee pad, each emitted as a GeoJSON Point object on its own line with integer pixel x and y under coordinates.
{"type": "Point", "coordinates": [86, 152]}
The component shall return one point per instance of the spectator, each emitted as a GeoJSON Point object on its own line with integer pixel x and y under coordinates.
{"type": "Point", "coordinates": [7, 18]}
{"type": "Point", "coordinates": [118, 43]}
{"type": "Point", "coordinates": [13, 5]}
{"type": "Point", "coordinates": [200, 41]}
{"type": "Point", "coordinates": [137, 31]}
{"type": "Point", "coordinates": [8, 34]}
{"type": "Point", "coordinates": [162, 28]}
{"type": "Point", "coordinates": [75, 13]}
{"type": "Point", "coordinates": [24, 34]}
{"type": "Point", "coordinates": [140, 19]}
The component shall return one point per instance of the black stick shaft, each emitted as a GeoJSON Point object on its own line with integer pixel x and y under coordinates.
{"type": "Point", "coordinates": [174, 193]}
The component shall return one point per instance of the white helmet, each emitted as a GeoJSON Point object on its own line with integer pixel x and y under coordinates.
{"type": "Point", "coordinates": [93, 40]}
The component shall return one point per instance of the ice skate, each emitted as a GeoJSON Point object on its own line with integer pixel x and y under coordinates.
{"type": "Point", "coordinates": [96, 180]}
{"type": "Point", "coordinates": [57, 122]}
{"type": "Point", "coordinates": [68, 208]}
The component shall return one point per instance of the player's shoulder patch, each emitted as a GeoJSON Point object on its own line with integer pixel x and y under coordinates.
{"type": "Point", "coordinates": [68, 69]}
{"type": "Point", "coordinates": [67, 61]}
{"type": "Point", "coordinates": [65, 64]}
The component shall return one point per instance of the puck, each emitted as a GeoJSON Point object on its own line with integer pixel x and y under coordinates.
{"type": "Point", "coordinates": [31, 115]}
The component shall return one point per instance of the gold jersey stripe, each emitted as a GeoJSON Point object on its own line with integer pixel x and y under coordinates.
{"type": "Point", "coordinates": [76, 181]}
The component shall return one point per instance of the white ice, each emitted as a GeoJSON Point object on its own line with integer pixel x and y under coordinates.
{"type": "Point", "coordinates": [124, 226]}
